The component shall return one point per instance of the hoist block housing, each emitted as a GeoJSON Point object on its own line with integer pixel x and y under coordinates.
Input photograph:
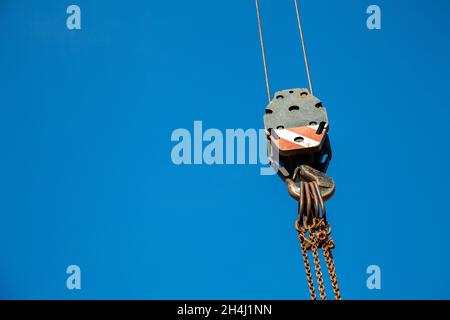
{"type": "Point", "coordinates": [296, 125]}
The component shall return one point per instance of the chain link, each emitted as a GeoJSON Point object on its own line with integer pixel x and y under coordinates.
{"type": "Point", "coordinates": [318, 269]}
{"type": "Point", "coordinates": [332, 270]}
{"type": "Point", "coordinates": [309, 276]}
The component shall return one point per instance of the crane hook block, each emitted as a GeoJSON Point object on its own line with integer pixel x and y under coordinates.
{"type": "Point", "coordinates": [296, 125]}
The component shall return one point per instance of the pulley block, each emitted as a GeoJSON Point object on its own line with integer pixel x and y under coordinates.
{"type": "Point", "coordinates": [296, 125]}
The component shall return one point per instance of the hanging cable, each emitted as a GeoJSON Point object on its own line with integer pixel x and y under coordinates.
{"type": "Point", "coordinates": [305, 56]}
{"type": "Point", "coordinates": [261, 38]}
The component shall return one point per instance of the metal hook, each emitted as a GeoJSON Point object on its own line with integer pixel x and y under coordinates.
{"type": "Point", "coordinates": [325, 183]}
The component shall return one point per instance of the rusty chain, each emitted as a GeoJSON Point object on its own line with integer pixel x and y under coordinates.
{"type": "Point", "coordinates": [309, 277]}
{"type": "Point", "coordinates": [332, 271]}
{"type": "Point", "coordinates": [314, 233]}
{"type": "Point", "coordinates": [318, 269]}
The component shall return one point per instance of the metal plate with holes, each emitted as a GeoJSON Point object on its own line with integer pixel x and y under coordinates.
{"type": "Point", "coordinates": [294, 111]}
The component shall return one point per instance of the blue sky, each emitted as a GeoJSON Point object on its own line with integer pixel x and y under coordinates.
{"type": "Point", "coordinates": [86, 176]}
